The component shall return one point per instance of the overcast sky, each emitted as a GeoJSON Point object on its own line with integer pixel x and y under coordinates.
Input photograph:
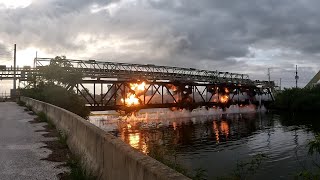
{"type": "Point", "coordinates": [227, 35]}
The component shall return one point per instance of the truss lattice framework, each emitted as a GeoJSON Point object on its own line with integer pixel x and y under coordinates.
{"type": "Point", "coordinates": [99, 69]}
{"type": "Point", "coordinates": [129, 72]}
{"type": "Point", "coordinates": [160, 95]}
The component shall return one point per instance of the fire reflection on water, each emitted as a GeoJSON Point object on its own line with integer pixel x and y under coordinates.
{"type": "Point", "coordinates": [221, 128]}
{"type": "Point", "coordinates": [224, 128]}
{"type": "Point", "coordinates": [140, 138]}
{"type": "Point", "coordinates": [216, 131]}
{"type": "Point", "coordinates": [200, 139]}
{"type": "Point", "coordinates": [135, 140]}
{"type": "Point", "coordinates": [177, 128]}
{"type": "Point", "coordinates": [174, 124]}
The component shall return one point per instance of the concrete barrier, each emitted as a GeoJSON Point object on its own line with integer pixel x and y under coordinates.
{"type": "Point", "coordinates": [102, 154]}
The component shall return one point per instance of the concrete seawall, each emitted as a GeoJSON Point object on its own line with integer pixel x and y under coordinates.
{"type": "Point", "coordinates": [101, 153]}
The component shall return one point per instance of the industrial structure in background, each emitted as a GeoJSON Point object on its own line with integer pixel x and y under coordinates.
{"type": "Point", "coordinates": [110, 85]}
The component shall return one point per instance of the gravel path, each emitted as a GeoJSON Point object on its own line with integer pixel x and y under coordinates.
{"type": "Point", "coordinates": [21, 147]}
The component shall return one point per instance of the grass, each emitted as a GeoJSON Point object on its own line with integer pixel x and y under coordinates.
{"type": "Point", "coordinates": [314, 150]}
{"type": "Point", "coordinates": [21, 103]}
{"type": "Point", "coordinates": [63, 139]}
{"type": "Point", "coordinates": [42, 117]}
{"type": "Point", "coordinates": [29, 107]}
{"type": "Point", "coordinates": [77, 172]}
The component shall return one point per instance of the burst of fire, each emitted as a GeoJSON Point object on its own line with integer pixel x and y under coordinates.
{"type": "Point", "coordinates": [138, 87]}
{"type": "Point", "coordinates": [224, 99]}
{"type": "Point", "coordinates": [131, 98]}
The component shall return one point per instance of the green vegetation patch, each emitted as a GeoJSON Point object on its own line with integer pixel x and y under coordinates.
{"type": "Point", "coordinates": [77, 171]}
{"type": "Point", "coordinates": [55, 86]}
{"type": "Point", "coordinates": [298, 100]}
{"type": "Point", "coordinates": [21, 103]}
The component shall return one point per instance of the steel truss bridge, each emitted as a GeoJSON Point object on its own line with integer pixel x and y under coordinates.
{"type": "Point", "coordinates": [105, 85]}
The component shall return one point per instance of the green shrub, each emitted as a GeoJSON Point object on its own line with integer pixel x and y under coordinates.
{"type": "Point", "coordinates": [59, 96]}
{"type": "Point", "coordinates": [42, 117]}
{"type": "Point", "coordinates": [63, 138]}
{"type": "Point", "coordinates": [314, 149]}
{"type": "Point", "coordinates": [21, 103]}
{"type": "Point", "coordinates": [77, 172]}
{"type": "Point", "coordinates": [296, 99]}
{"type": "Point", "coordinates": [51, 87]}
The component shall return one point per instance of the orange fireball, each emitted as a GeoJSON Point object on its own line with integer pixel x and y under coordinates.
{"type": "Point", "coordinates": [131, 97]}
{"type": "Point", "coordinates": [224, 99]}
{"type": "Point", "coordinates": [137, 87]}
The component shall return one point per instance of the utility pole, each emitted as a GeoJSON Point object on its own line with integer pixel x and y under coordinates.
{"type": "Point", "coordinates": [35, 59]}
{"type": "Point", "coordinates": [269, 75]}
{"type": "Point", "coordinates": [14, 69]}
{"type": "Point", "coordinates": [280, 84]}
{"type": "Point", "coordinates": [296, 77]}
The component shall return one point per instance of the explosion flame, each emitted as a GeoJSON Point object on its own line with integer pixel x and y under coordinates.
{"type": "Point", "coordinates": [224, 99]}
{"type": "Point", "coordinates": [131, 97]}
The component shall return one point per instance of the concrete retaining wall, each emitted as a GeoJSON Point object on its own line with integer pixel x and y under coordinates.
{"type": "Point", "coordinates": [104, 155]}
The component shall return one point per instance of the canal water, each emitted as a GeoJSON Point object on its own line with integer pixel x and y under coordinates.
{"type": "Point", "coordinates": [219, 144]}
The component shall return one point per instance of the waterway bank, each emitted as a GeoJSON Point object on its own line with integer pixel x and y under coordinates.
{"type": "Point", "coordinates": [101, 153]}
{"type": "Point", "coordinates": [218, 142]}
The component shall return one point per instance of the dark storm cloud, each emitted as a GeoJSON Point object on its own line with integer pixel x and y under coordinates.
{"type": "Point", "coordinates": [52, 25]}
{"type": "Point", "coordinates": [204, 34]}
{"type": "Point", "coordinates": [231, 26]}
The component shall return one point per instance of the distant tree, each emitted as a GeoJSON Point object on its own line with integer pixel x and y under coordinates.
{"type": "Point", "coordinates": [55, 84]}
{"type": "Point", "coordinates": [298, 100]}
{"type": "Point", "coordinates": [61, 72]}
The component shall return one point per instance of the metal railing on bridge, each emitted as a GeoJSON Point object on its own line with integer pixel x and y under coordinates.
{"type": "Point", "coordinates": [124, 71]}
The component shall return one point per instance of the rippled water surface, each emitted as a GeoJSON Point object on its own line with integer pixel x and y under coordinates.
{"type": "Point", "coordinates": [217, 143]}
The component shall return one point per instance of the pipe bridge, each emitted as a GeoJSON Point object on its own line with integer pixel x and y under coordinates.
{"type": "Point", "coordinates": [125, 86]}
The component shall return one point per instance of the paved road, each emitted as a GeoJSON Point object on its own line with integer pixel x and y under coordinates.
{"type": "Point", "coordinates": [21, 147]}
